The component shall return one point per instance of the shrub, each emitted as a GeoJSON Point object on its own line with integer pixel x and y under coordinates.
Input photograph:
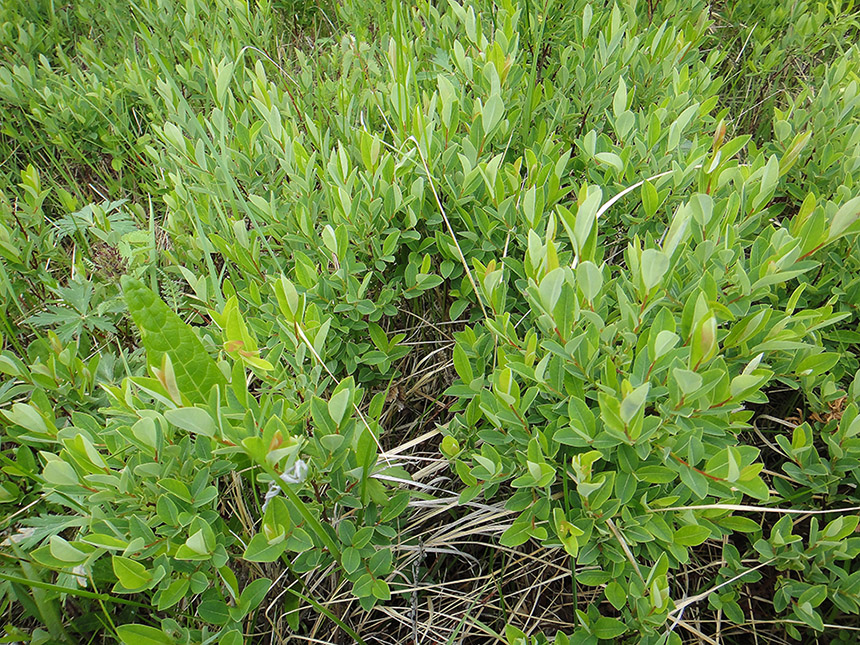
{"type": "Point", "coordinates": [214, 258]}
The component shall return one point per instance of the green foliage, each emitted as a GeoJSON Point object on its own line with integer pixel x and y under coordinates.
{"type": "Point", "coordinates": [167, 339]}
{"type": "Point", "coordinates": [642, 226]}
{"type": "Point", "coordinates": [773, 47]}
{"type": "Point", "coordinates": [633, 382]}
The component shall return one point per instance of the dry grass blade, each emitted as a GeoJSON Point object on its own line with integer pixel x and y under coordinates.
{"type": "Point", "coordinates": [686, 602]}
{"type": "Point", "coordinates": [756, 509]}
{"type": "Point", "coordinates": [448, 224]}
{"type": "Point", "coordinates": [358, 411]}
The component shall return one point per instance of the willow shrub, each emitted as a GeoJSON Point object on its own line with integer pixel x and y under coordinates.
{"type": "Point", "coordinates": [636, 283]}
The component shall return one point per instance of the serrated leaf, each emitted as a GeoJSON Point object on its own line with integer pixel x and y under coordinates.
{"type": "Point", "coordinates": [164, 333]}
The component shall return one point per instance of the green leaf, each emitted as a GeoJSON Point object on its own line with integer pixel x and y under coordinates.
{"type": "Point", "coordinates": [351, 559]}
{"type": "Point", "coordinates": [793, 151]}
{"type": "Point", "coordinates": [362, 537]}
{"type": "Point", "coordinates": [196, 544]}
{"type": "Point", "coordinates": [380, 589]}
{"type": "Point", "coordinates": [64, 551]}
{"type": "Point", "coordinates": [608, 628]}
{"type": "Point", "coordinates": [691, 535]}
{"type": "Point", "coordinates": [43, 556]}
{"type": "Point", "coordinates": [517, 534]}
{"type": "Point", "coordinates": [142, 635]}
{"type": "Point", "coordinates": [329, 239]}
{"type": "Point", "coordinates": [26, 416]}
{"type": "Point", "coordinates": [584, 228]}
{"type": "Point", "coordinates": [462, 365]}
{"type": "Point", "coordinates": [634, 402]}
{"type": "Point", "coordinates": [223, 76]}
{"type": "Point", "coordinates": [176, 487]}
{"type": "Point", "coordinates": [259, 549]}
{"type": "Point", "coordinates": [808, 615]}
{"type": "Point", "coordinates": [291, 609]}
{"type": "Point", "coordinates": [60, 473]}
{"type": "Point", "coordinates": [231, 637]}
{"type": "Point", "coordinates": [514, 636]}
{"type": "Point", "coordinates": [847, 214]}
{"type": "Point", "coordinates": [194, 420]}
{"type": "Point", "coordinates": [654, 265]}
{"type": "Point", "coordinates": [678, 126]}
{"type": "Point", "coordinates": [131, 575]}
{"type": "Point", "coordinates": [215, 612]}
{"type": "Point", "coordinates": [550, 288]}
{"type": "Point", "coordinates": [589, 278]}
{"type": "Point", "coordinates": [734, 612]}
{"type": "Point", "coordinates": [145, 431]}
{"type": "Point", "coordinates": [338, 404]}
{"type": "Point", "coordinates": [817, 364]}
{"type": "Point", "coordinates": [815, 595]}
{"type": "Point", "coordinates": [164, 333]}
{"type": "Point", "coordinates": [650, 198]}
{"type": "Point", "coordinates": [695, 481]}
{"type": "Point", "coordinates": [363, 586]}
{"type": "Point", "coordinates": [593, 577]}
{"type": "Point", "coordinates": [737, 523]}
{"type": "Point", "coordinates": [380, 563]}
{"type": "Point", "coordinates": [655, 474]}
{"type": "Point", "coordinates": [688, 381]}
{"type": "Point", "coordinates": [299, 541]}
{"type": "Point", "coordinates": [587, 14]}
{"type": "Point", "coordinates": [104, 541]}
{"type": "Point", "coordinates": [492, 113]}
{"type": "Point", "coordinates": [616, 595]}
{"type": "Point", "coordinates": [173, 594]}
{"type": "Point", "coordinates": [611, 159]}
{"type": "Point", "coordinates": [366, 449]}
{"type": "Point", "coordinates": [619, 101]}
{"type": "Point", "coordinates": [840, 528]}
{"type": "Point", "coordinates": [253, 594]}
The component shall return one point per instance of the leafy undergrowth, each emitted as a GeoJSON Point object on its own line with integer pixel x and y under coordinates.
{"type": "Point", "coordinates": [442, 323]}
